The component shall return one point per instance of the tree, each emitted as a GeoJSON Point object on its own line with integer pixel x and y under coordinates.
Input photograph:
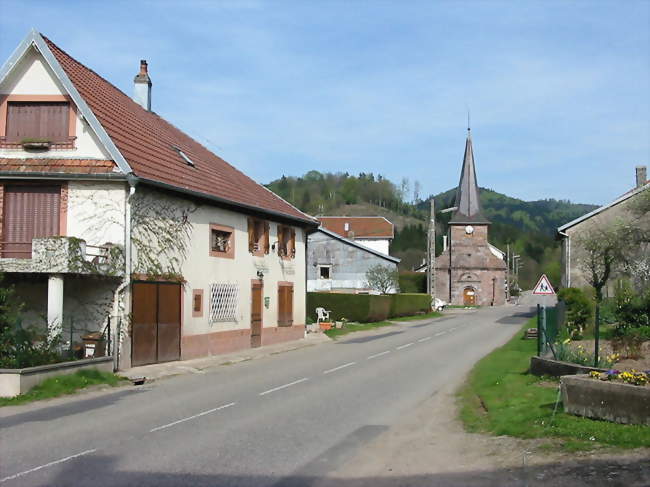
{"type": "Point", "coordinates": [382, 278]}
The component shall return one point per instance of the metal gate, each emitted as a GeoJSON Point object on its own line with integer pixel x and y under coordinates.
{"type": "Point", "coordinates": [156, 327]}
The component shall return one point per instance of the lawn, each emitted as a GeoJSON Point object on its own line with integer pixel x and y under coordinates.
{"type": "Point", "coordinates": [64, 384]}
{"type": "Point", "coordinates": [432, 314]}
{"type": "Point", "coordinates": [501, 398]}
{"type": "Point", "coordinates": [352, 327]}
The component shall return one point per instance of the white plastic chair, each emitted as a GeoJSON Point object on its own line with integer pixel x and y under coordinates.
{"type": "Point", "coordinates": [322, 315]}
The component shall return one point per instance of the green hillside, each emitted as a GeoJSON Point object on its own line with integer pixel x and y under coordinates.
{"type": "Point", "coordinates": [528, 226]}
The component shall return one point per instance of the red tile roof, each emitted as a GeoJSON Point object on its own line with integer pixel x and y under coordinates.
{"type": "Point", "coordinates": [147, 142]}
{"type": "Point", "coordinates": [359, 226]}
{"type": "Point", "coordinates": [79, 166]}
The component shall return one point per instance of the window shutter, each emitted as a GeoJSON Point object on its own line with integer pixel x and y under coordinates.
{"type": "Point", "coordinates": [281, 306]}
{"type": "Point", "coordinates": [37, 120]}
{"type": "Point", "coordinates": [251, 235]}
{"type": "Point", "coordinates": [292, 250]}
{"type": "Point", "coordinates": [289, 314]}
{"type": "Point", "coordinates": [267, 245]}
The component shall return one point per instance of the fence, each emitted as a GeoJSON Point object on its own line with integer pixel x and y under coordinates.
{"type": "Point", "coordinates": [548, 329]}
{"type": "Point", "coordinates": [81, 342]}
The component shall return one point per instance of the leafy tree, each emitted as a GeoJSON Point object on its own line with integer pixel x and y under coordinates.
{"type": "Point", "coordinates": [382, 278]}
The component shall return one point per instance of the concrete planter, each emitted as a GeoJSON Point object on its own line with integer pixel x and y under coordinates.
{"type": "Point", "coordinates": [612, 401]}
{"type": "Point", "coordinates": [545, 366]}
{"type": "Point", "coordinates": [18, 381]}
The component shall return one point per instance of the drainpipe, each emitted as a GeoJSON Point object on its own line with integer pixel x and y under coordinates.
{"type": "Point", "coordinates": [567, 264]}
{"type": "Point", "coordinates": [128, 264]}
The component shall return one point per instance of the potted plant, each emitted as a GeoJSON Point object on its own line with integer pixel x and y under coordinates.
{"type": "Point", "coordinates": [35, 143]}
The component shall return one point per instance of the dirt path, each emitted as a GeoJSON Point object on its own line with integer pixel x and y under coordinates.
{"type": "Point", "coordinates": [430, 448]}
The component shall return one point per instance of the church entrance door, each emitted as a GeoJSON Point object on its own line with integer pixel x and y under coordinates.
{"type": "Point", "coordinates": [469, 296]}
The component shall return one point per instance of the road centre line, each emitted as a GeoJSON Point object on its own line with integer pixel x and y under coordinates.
{"type": "Point", "coordinates": [339, 367]}
{"type": "Point", "coordinates": [439, 333]}
{"type": "Point", "coordinates": [284, 386]}
{"type": "Point", "coordinates": [378, 354]}
{"type": "Point", "coordinates": [424, 339]}
{"type": "Point", "coordinates": [55, 462]}
{"type": "Point", "coordinates": [191, 417]}
{"type": "Point", "coordinates": [404, 346]}
{"type": "Point", "coordinates": [452, 329]}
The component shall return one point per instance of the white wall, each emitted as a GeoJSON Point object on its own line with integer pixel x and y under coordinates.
{"type": "Point", "coordinates": [380, 245]}
{"type": "Point", "coordinates": [32, 76]}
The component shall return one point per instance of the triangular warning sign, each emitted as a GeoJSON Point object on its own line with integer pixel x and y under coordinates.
{"type": "Point", "coordinates": [543, 286]}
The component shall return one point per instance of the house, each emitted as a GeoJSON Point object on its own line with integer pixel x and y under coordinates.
{"type": "Point", "coordinates": [470, 271]}
{"type": "Point", "coordinates": [114, 219]}
{"type": "Point", "coordinates": [339, 264]}
{"type": "Point", "coordinates": [570, 233]}
{"type": "Point", "coordinates": [375, 232]}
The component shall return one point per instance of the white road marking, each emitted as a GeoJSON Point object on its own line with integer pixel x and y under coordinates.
{"type": "Point", "coordinates": [424, 339]}
{"type": "Point", "coordinates": [378, 354]}
{"type": "Point", "coordinates": [55, 462]}
{"type": "Point", "coordinates": [339, 367]}
{"type": "Point", "coordinates": [191, 417]}
{"type": "Point", "coordinates": [440, 333]}
{"type": "Point", "coordinates": [404, 346]}
{"type": "Point", "coordinates": [452, 329]}
{"type": "Point", "coordinates": [284, 386]}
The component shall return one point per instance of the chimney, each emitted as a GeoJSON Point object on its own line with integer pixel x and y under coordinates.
{"type": "Point", "coordinates": [142, 87]}
{"type": "Point", "coordinates": [641, 176]}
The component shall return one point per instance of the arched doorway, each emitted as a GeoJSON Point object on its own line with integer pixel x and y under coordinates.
{"type": "Point", "coordinates": [469, 296]}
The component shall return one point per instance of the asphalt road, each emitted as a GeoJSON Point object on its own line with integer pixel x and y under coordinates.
{"type": "Point", "coordinates": [283, 420]}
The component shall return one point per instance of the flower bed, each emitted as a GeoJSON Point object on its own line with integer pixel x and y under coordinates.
{"type": "Point", "coordinates": [613, 399]}
{"type": "Point", "coordinates": [633, 377]}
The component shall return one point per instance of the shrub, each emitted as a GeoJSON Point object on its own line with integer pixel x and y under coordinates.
{"type": "Point", "coordinates": [631, 310]}
{"type": "Point", "coordinates": [413, 282]}
{"type": "Point", "coordinates": [579, 310]}
{"type": "Point", "coordinates": [404, 304]}
{"type": "Point", "coordinates": [382, 278]}
{"type": "Point", "coordinates": [364, 308]}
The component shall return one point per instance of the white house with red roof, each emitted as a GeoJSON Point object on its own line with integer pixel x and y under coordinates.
{"type": "Point", "coordinates": [115, 220]}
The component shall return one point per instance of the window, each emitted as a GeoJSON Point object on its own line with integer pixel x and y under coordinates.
{"type": "Point", "coordinates": [324, 271]}
{"type": "Point", "coordinates": [29, 212]}
{"type": "Point", "coordinates": [258, 237]}
{"type": "Point", "coordinates": [224, 301]}
{"type": "Point", "coordinates": [197, 303]}
{"type": "Point", "coordinates": [38, 120]}
{"type": "Point", "coordinates": [184, 156]}
{"type": "Point", "coordinates": [285, 303]}
{"type": "Point", "coordinates": [286, 242]}
{"type": "Point", "coordinates": [222, 241]}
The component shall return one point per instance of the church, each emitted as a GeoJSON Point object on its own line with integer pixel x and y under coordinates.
{"type": "Point", "coordinates": [470, 271]}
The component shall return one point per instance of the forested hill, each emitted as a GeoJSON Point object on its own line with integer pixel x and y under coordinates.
{"type": "Point", "coordinates": [527, 226]}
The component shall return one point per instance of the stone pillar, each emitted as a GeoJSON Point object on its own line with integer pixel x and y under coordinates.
{"type": "Point", "coordinates": [54, 305]}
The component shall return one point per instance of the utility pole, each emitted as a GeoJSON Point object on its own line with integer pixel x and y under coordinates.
{"type": "Point", "coordinates": [507, 273]}
{"type": "Point", "coordinates": [431, 254]}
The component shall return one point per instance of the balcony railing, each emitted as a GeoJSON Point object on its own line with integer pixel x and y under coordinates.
{"type": "Point", "coordinates": [61, 254]}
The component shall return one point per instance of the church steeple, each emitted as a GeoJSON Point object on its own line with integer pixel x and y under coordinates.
{"type": "Point", "coordinates": [467, 196]}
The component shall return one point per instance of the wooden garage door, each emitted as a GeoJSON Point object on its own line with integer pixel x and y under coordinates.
{"type": "Point", "coordinates": [156, 327]}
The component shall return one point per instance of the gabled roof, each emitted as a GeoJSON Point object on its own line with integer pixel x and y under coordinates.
{"type": "Point", "coordinates": [468, 203]}
{"type": "Point", "coordinates": [147, 146]}
{"type": "Point", "coordinates": [360, 226]}
{"type": "Point", "coordinates": [358, 245]}
{"type": "Point", "coordinates": [595, 212]}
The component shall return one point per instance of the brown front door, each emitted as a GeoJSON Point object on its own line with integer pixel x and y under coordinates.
{"type": "Point", "coordinates": [256, 314]}
{"type": "Point", "coordinates": [469, 296]}
{"type": "Point", "coordinates": [156, 327]}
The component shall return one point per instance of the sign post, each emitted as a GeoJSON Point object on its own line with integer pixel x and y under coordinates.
{"type": "Point", "coordinates": [542, 288]}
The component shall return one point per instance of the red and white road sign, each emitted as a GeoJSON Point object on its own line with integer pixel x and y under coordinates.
{"type": "Point", "coordinates": [543, 286]}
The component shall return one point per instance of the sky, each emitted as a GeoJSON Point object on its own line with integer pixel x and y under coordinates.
{"type": "Point", "coordinates": [558, 92]}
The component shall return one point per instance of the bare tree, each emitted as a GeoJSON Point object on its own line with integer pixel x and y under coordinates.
{"type": "Point", "coordinates": [382, 278]}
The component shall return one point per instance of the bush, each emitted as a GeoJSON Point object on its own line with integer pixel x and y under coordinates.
{"type": "Point", "coordinates": [365, 308]}
{"type": "Point", "coordinates": [382, 278]}
{"type": "Point", "coordinates": [579, 310]}
{"type": "Point", "coordinates": [631, 310]}
{"type": "Point", "coordinates": [409, 304]}
{"type": "Point", "coordinates": [413, 282]}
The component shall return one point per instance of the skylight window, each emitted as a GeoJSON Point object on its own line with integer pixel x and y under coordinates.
{"type": "Point", "coordinates": [187, 160]}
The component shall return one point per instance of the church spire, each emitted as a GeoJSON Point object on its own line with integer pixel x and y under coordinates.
{"type": "Point", "coordinates": [467, 195]}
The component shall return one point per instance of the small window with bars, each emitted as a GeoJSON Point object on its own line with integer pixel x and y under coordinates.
{"type": "Point", "coordinates": [224, 302]}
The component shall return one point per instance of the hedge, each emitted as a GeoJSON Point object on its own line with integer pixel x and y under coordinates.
{"type": "Point", "coordinates": [412, 282]}
{"type": "Point", "coordinates": [404, 304]}
{"type": "Point", "coordinates": [367, 308]}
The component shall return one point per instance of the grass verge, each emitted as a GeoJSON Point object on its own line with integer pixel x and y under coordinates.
{"type": "Point", "coordinates": [62, 385]}
{"type": "Point", "coordinates": [501, 398]}
{"type": "Point", "coordinates": [432, 314]}
{"type": "Point", "coordinates": [352, 327]}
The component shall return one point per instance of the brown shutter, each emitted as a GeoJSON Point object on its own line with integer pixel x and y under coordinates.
{"type": "Point", "coordinates": [37, 120]}
{"type": "Point", "coordinates": [281, 305]}
{"type": "Point", "coordinates": [251, 235]}
{"type": "Point", "coordinates": [292, 250]}
{"type": "Point", "coordinates": [29, 212]}
{"type": "Point", "coordinates": [267, 245]}
{"type": "Point", "coordinates": [289, 312]}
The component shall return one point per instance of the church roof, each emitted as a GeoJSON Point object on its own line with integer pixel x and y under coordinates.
{"type": "Point", "coordinates": [468, 204]}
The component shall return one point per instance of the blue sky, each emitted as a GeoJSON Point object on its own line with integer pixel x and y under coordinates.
{"type": "Point", "coordinates": [558, 91]}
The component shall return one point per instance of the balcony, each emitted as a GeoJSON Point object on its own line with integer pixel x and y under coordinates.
{"type": "Point", "coordinates": [64, 255]}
